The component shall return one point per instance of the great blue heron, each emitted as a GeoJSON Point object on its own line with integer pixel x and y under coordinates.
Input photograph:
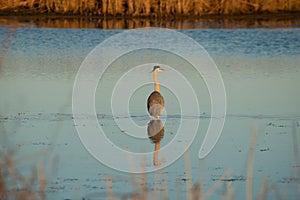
{"type": "Point", "coordinates": [156, 102]}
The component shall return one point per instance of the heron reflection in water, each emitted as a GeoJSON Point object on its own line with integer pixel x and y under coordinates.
{"type": "Point", "coordinates": [156, 133]}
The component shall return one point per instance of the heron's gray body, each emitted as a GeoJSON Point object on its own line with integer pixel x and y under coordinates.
{"type": "Point", "coordinates": [155, 104]}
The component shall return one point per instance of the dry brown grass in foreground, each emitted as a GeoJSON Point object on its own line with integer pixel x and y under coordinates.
{"type": "Point", "coordinates": [151, 8]}
{"type": "Point", "coordinates": [13, 185]}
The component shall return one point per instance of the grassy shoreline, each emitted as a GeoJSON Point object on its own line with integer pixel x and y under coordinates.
{"type": "Point", "coordinates": [147, 8]}
{"type": "Point", "coordinates": [282, 20]}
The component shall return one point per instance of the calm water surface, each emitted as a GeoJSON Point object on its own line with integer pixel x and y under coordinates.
{"type": "Point", "coordinates": [260, 69]}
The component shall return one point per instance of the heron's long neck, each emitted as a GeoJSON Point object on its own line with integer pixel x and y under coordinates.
{"type": "Point", "coordinates": [156, 84]}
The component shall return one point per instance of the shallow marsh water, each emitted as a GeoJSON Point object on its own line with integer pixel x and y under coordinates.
{"type": "Point", "coordinates": [260, 69]}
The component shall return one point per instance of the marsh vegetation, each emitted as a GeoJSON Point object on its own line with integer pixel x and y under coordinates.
{"type": "Point", "coordinates": [150, 8]}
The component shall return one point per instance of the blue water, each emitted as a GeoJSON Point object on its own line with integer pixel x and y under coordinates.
{"type": "Point", "coordinates": [254, 42]}
{"type": "Point", "coordinates": [260, 69]}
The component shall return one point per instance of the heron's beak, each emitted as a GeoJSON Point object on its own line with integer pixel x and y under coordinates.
{"type": "Point", "coordinates": [160, 70]}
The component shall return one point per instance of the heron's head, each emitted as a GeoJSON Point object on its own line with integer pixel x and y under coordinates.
{"type": "Point", "coordinates": [157, 69]}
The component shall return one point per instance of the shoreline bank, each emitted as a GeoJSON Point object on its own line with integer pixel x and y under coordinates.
{"type": "Point", "coordinates": [149, 8]}
{"type": "Point", "coordinates": [283, 20]}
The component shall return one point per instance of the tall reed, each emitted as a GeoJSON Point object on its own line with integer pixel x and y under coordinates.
{"type": "Point", "coordinates": [13, 185]}
{"type": "Point", "coordinates": [151, 8]}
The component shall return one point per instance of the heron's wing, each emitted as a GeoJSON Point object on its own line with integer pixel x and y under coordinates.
{"type": "Point", "coordinates": [155, 98]}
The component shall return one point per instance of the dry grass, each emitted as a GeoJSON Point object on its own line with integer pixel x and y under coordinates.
{"type": "Point", "coordinates": [151, 8]}
{"type": "Point", "coordinates": [13, 185]}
